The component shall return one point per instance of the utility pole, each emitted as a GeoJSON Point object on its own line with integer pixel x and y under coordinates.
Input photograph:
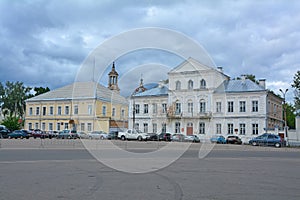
{"type": "Point", "coordinates": [284, 110]}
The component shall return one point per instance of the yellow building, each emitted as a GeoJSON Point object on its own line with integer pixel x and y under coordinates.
{"type": "Point", "coordinates": [81, 106]}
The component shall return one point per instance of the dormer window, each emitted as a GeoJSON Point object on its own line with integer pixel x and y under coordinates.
{"type": "Point", "coordinates": [202, 84]}
{"type": "Point", "coordinates": [178, 85]}
{"type": "Point", "coordinates": [190, 85]}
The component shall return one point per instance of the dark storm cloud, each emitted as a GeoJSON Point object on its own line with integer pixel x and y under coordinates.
{"type": "Point", "coordinates": [43, 43]}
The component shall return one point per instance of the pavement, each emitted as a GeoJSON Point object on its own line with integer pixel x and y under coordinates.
{"type": "Point", "coordinates": [56, 169]}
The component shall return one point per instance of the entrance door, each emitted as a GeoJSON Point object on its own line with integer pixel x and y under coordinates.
{"type": "Point", "coordinates": [189, 129]}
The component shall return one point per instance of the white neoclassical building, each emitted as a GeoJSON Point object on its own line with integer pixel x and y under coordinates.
{"type": "Point", "coordinates": [198, 99]}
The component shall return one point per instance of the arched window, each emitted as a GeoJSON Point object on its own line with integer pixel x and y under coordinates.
{"type": "Point", "coordinates": [178, 85]}
{"type": "Point", "coordinates": [202, 106]}
{"type": "Point", "coordinates": [190, 85]}
{"type": "Point", "coordinates": [202, 84]}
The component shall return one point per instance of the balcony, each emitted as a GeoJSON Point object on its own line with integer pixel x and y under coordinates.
{"type": "Point", "coordinates": [204, 115]}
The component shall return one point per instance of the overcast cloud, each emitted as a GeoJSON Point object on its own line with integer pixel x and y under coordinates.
{"type": "Point", "coordinates": [43, 43]}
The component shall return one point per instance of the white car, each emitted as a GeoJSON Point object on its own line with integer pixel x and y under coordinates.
{"type": "Point", "coordinates": [101, 135]}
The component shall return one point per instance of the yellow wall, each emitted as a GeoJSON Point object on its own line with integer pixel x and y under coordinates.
{"type": "Point", "coordinates": [97, 120]}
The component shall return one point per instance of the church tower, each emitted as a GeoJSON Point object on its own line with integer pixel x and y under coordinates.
{"type": "Point", "coordinates": [113, 79]}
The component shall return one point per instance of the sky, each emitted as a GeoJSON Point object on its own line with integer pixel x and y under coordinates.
{"type": "Point", "coordinates": [45, 43]}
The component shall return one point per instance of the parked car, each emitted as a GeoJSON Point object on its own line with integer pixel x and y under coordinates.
{"type": "Point", "coordinates": [153, 137]}
{"type": "Point", "coordinates": [113, 135]}
{"type": "Point", "coordinates": [82, 135]}
{"type": "Point", "coordinates": [98, 135]}
{"type": "Point", "coordinates": [178, 137]}
{"type": "Point", "coordinates": [38, 133]}
{"type": "Point", "coordinates": [233, 139]}
{"type": "Point", "coordinates": [165, 136]}
{"type": "Point", "coordinates": [192, 138]}
{"type": "Point", "coordinates": [51, 134]}
{"type": "Point", "coordinates": [67, 134]}
{"type": "Point", "coordinates": [219, 139]}
{"type": "Point", "coordinates": [268, 139]}
{"type": "Point", "coordinates": [4, 133]}
{"type": "Point", "coordinates": [18, 134]}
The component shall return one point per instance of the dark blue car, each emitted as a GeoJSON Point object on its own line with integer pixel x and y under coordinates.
{"type": "Point", "coordinates": [18, 134]}
{"type": "Point", "coordinates": [267, 139]}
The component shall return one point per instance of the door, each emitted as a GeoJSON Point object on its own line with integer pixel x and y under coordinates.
{"type": "Point", "coordinates": [189, 129]}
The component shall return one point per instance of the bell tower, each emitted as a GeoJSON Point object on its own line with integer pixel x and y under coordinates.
{"type": "Point", "coordinates": [113, 79]}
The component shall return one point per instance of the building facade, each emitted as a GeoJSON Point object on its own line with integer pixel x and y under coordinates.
{"type": "Point", "coordinates": [202, 100]}
{"type": "Point", "coordinates": [81, 106]}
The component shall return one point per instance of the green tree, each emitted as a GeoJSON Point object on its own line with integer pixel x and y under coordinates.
{"type": "Point", "coordinates": [40, 90]}
{"type": "Point", "coordinates": [296, 86]}
{"type": "Point", "coordinates": [12, 123]}
{"type": "Point", "coordinates": [13, 99]}
{"type": "Point", "coordinates": [290, 116]}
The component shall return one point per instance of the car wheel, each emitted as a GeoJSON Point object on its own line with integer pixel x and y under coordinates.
{"type": "Point", "coordinates": [9, 137]}
{"type": "Point", "coordinates": [277, 145]}
{"type": "Point", "coordinates": [123, 137]}
{"type": "Point", "coordinates": [140, 138]}
{"type": "Point", "coordinates": [101, 138]}
{"type": "Point", "coordinates": [254, 144]}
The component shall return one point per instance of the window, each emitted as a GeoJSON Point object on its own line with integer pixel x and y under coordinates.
{"type": "Point", "coordinates": [145, 127]}
{"type": "Point", "coordinates": [36, 125]}
{"type": "Point", "coordinates": [113, 112]}
{"type": "Point", "coordinates": [178, 108]}
{"type": "Point", "coordinates": [177, 127]}
{"type": "Point", "coordinates": [123, 113]}
{"type": "Point", "coordinates": [154, 108]}
{"type": "Point", "coordinates": [242, 129]}
{"type": "Point", "coordinates": [66, 125]}
{"type": "Point", "coordinates": [255, 129]}
{"type": "Point", "coordinates": [89, 127]}
{"type": "Point", "coordinates": [202, 106]}
{"type": "Point", "coordinates": [76, 110]}
{"type": "Point", "coordinates": [242, 106]}
{"type": "Point", "coordinates": [219, 128]}
{"type": "Point", "coordinates": [67, 111]}
{"type": "Point", "coordinates": [50, 126]}
{"type": "Point", "coordinates": [254, 106]}
{"type": "Point", "coordinates": [230, 106]}
{"type": "Point", "coordinates": [190, 85]}
{"type": "Point", "coordinates": [29, 125]}
{"type": "Point", "coordinates": [201, 128]}
{"type": "Point", "coordinates": [137, 108]}
{"type": "Point", "coordinates": [37, 111]}
{"type": "Point", "coordinates": [137, 126]}
{"type": "Point", "coordinates": [30, 111]}
{"type": "Point", "coordinates": [43, 126]}
{"type": "Point", "coordinates": [190, 107]}
{"type": "Point", "coordinates": [90, 109]}
{"type": "Point", "coordinates": [164, 108]}
{"type": "Point", "coordinates": [218, 107]}
{"type": "Point", "coordinates": [145, 108]}
{"type": "Point", "coordinates": [82, 126]}
{"type": "Point", "coordinates": [103, 110]}
{"type": "Point", "coordinates": [154, 128]}
{"type": "Point", "coordinates": [163, 127]}
{"type": "Point", "coordinates": [58, 126]}
{"type": "Point", "coordinates": [51, 110]}
{"type": "Point", "coordinates": [59, 110]}
{"type": "Point", "coordinates": [202, 84]}
{"type": "Point", "coordinates": [178, 85]}
{"type": "Point", "coordinates": [229, 128]}
{"type": "Point", "coordinates": [44, 110]}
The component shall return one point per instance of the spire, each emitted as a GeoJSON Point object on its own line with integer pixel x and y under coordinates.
{"type": "Point", "coordinates": [113, 79]}
{"type": "Point", "coordinates": [141, 88]}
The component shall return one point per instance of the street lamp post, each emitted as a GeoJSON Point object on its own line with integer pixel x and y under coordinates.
{"type": "Point", "coordinates": [284, 109]}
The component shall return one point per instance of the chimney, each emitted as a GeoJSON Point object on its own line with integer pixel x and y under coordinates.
{"type": "Point", "coordinates": [262, 83]}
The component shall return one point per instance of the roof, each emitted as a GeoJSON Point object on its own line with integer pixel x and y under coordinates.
{"type": "Point", "coordinates": [159, 90]}
{"type": "Point", "coordinates": [239, 86]}
{"type": "Point", "coordinates": [81, 90]}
